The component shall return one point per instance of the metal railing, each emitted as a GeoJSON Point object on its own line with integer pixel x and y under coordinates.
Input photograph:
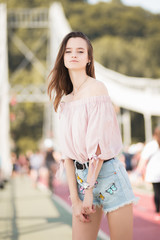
{"type": "Point", "coordinates": [28, 18]}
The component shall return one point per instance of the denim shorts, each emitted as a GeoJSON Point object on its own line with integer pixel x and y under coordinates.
{"type": "Point", "coordinates": [112, 189]}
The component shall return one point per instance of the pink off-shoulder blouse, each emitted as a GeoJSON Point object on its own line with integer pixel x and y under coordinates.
{"type": "Point", "coordinates": [86, 124]}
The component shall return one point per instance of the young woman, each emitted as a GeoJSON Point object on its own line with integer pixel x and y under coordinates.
{"type": "Point", "coordinates": [90, 141]}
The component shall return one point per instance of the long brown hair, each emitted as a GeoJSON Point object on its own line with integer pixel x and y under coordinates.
{"type": "Point", "coordinates": [60, 83]}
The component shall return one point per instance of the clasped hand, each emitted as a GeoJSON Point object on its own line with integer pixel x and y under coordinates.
{"type": "Point", "coordinates": [82, 210]}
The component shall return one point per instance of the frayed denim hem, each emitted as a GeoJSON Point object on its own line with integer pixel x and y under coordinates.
{"type": "Point", "coordinates": [97, 205]}
{"type": "Point", "coordinates": [134, 201]}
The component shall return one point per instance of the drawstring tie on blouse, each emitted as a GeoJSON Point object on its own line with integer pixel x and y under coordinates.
{"type": "Point", "coordinates": [94, 160]}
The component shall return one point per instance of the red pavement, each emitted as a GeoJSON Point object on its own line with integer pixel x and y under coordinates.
{"type": "Point", "coordinates": [145, 227]}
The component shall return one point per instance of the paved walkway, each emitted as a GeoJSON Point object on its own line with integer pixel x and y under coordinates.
{"type": "Point", "coordinates": [27, 213]}
{"type": "Point", "coordinates": [30, 214]}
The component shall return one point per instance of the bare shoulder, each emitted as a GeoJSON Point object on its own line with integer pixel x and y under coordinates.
{"type": "Point", "coordinates": [67, 98]}
{"type": "Point", "coordinates": [97, 88]}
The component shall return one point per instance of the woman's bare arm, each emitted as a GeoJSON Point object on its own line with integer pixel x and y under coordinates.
{"type": "Point", "coordinates": [72, 183]}
{"type": "Point", "coordinates": [71, 178]}
{"type": "Point", "coordinates": [88, 199]}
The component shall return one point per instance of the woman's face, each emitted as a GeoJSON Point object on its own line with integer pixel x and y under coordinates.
{"type": "Point", "coordinates": [76, 54]}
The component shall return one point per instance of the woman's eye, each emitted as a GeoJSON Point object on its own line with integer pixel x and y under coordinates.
{"type": "Point", "coordinates": [80, 51]}
{"type": "Point", "coordinates": [68, 52]}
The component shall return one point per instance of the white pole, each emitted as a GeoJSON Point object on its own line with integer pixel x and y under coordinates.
{"type": "Point", "coordinates": [148, 127]}
{"type": "Point", "coordinates": [126, 127]}
{"type": "Point", "coordinates": [4, 97]}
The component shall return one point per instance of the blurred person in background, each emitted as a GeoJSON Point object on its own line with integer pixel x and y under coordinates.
{"type": "Point", "coordinates": [50, 163]}
{"type": "Point", "coordinates": [15, 165]}
{"type": "Point", "coordinates": [23, 164]}
{"type": "Point", "coordinates": [131, 156]}
{"type": "Point", "coordinates": [149, 167]}
{"type": "Point", "coordinates": [36, 162]}
{"type": "Point", "coordinates": [90, 142]}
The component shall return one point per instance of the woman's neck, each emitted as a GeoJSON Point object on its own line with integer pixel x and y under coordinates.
{"type": "Point", "coordinates": [77, 78]}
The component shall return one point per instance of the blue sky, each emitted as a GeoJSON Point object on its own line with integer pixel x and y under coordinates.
{"type": "Point", "coordinates": [151, 5]}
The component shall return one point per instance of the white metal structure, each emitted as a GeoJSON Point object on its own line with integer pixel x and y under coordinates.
{"type": "Point", "coordinates": [4, 96]}
{"type": "Point", "coordinates": [28, 18]}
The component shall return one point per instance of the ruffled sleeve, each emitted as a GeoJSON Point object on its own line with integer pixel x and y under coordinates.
{"type": "Point", "coordinates": [102, 131]}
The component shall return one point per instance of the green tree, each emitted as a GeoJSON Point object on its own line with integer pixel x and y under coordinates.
{"type": "Point", "coordinates": [117, 1]}
{"type": "Point", "coordinates": [27, 125]}
{"type": "Point", "coordinates": [129, 58]}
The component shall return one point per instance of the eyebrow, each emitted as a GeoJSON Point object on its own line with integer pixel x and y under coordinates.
{"type": "Point", "coordinates": [77, 48]}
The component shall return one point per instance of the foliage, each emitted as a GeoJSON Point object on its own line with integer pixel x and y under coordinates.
{"type": "Point", "coordinates": [27, 125]}
{"type": "Point", "coordinates": [25, 144]}
{"type": "Point", "coordinates": [129, 58]}
{"type": "Point", "coordinates": [111, 19]}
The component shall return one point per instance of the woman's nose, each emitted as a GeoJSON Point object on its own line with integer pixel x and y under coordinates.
{"type": "Point", "coordinates": [74, 55]}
